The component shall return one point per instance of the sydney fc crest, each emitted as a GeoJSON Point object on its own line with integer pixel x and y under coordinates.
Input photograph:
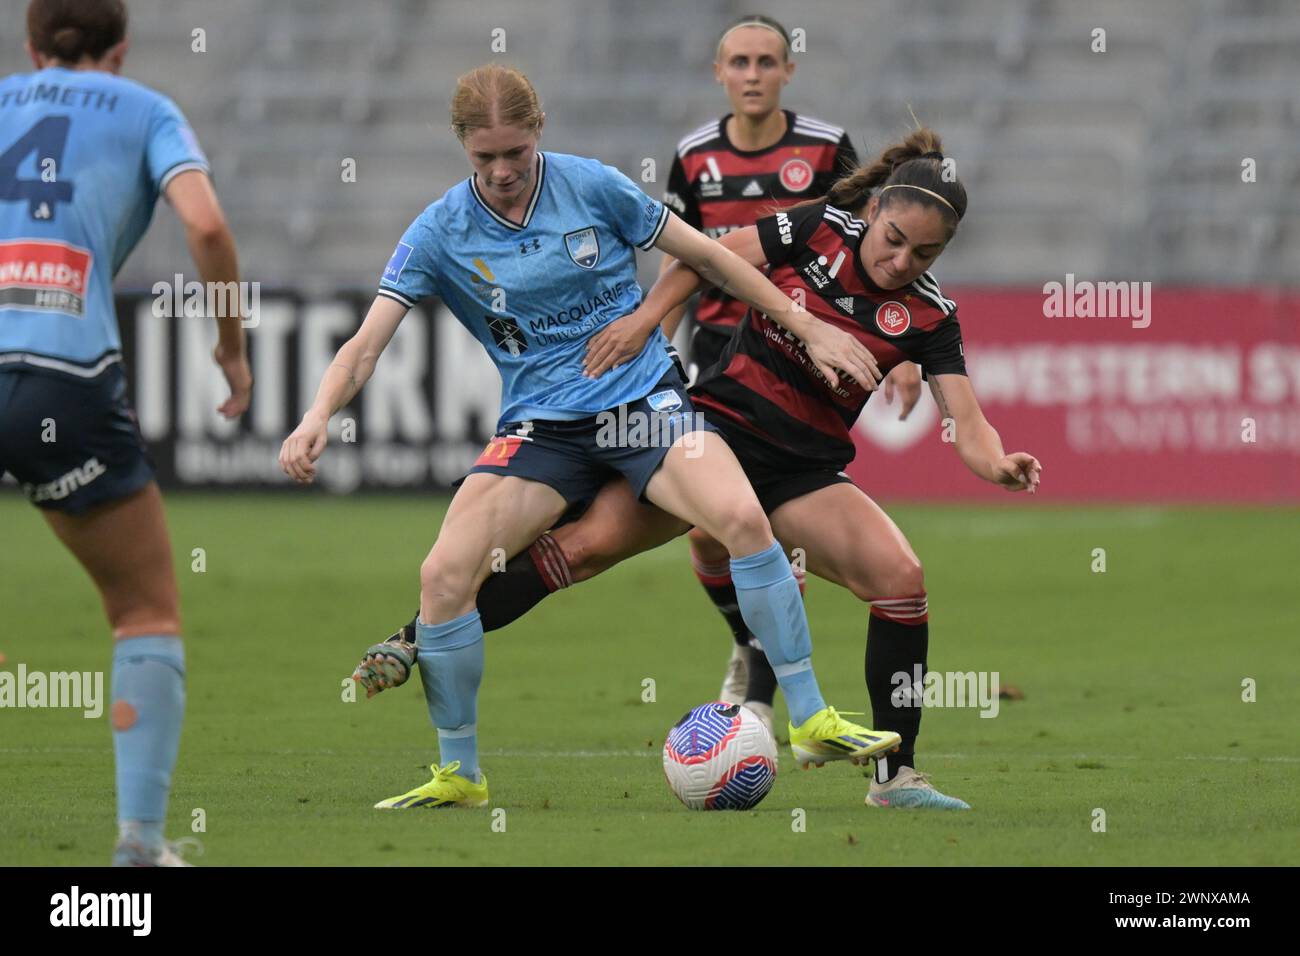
{"type": "Point", "coordinates": [583, 247]}
{"type": "Point", "coordinates": [666, 401]}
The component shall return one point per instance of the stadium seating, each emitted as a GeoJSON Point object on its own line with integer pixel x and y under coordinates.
{"type": "Point", "coordinates": [1126, 162]}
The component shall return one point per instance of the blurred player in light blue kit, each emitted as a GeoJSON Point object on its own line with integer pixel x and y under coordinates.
{"type": "Point", "coordinates": [535, 254]}
{"type": "Point", "coordinates": [84, 155]}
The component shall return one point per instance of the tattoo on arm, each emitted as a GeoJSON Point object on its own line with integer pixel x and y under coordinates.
{"type": "Point", "coordinates": [938, 394]}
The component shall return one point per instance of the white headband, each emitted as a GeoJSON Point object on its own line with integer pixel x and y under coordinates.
{"type": "Point", "coordinates": [924, 190]}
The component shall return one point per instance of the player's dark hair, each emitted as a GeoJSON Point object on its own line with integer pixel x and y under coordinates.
{"type": "Point", "coordinates": [70, 30]}
{"type": "Point", "coordinates": [757, 20]}
{"type": "Point", "coordinates": [916, 163]}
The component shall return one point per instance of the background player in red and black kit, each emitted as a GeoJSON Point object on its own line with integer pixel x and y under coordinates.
{"type": "Point", "coordinates": [753, 161]}
{"type": "Point", "coordinates": [728, 173]}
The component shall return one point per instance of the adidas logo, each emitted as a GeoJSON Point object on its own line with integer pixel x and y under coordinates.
{"type": "Point", "coordinates": [846, 303]}
{"type": "Point", "coordinates": [753, 189]}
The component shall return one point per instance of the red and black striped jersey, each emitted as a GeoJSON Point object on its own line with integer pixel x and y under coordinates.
{"type": "Point", "coordinates": [716, 187]}
{"type": "Point", "coordinates": [765, 381]}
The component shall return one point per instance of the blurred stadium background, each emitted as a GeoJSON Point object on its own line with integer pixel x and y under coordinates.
{"type": "Point", "coordinates": [1076, 161]}
{"type": "Point", "coordinates": [1124, 165]}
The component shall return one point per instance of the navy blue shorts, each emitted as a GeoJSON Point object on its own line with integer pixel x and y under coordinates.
{"type": "Point", "coordinates": [72, 443]}
{"type": "Point", "coordinates": [577, 457]}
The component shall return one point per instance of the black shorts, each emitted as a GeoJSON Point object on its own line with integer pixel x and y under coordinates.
{"type": "Point", "coordinates": [72, 443]}
{"type": "Point", "coordinates": [577, 457]}
{"type": "Point", "coordinates": [775, 478]}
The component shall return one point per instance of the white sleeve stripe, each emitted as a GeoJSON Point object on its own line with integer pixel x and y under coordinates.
{"type": "Point", "coordinates": [843, 221]}
{"type": "Point", "coordinates": [819, 124]}
{"type": "Point", "coordinates": [703, 134]}
{"type": "Point", "coordinates": [939, 304]}
{"type": "Point", "coordinates": [816, 134]}
{"type": "Point", "coordinates": [685, 148]}
{"type": "Point", "coordinates": [854, 221]}
{"type": "Point", "coordinates": [179, 168]}
{"type": "Point", "coordinates": [396, 296]}
{"type": "Point", "coordinates": [932, 284]}
{"type": "Point", "coordinates": [659, 227]}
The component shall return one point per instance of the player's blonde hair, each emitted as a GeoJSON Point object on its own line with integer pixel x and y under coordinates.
{"type": "Point", "coordinates": [492, 95]}
{"type": "Point", "coordinates": [762, 22]}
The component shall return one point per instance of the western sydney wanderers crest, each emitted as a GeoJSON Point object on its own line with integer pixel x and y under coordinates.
{"type": "Point", "coordinates": [583, 247]}
{"type": "Point", "coordinates": [796, 175]}
{"type": "Point", "coordinates": [892, 318]}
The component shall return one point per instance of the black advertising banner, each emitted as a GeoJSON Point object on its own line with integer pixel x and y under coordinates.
{"type": "Point", "coordinates": [418, 424]}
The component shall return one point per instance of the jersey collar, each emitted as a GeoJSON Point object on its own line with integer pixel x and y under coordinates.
{"type": "Point", "coordinates": [532, 203]}
{"type": "Point", "coordinates": [784, 140]}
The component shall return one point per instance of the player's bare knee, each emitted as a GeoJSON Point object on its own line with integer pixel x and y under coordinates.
{"type": "Point", "coordinates": [443, 582]}
{"type": "Point", "coordinates": [743, 529]}
{"type": "Point", "coordinates": [905, 578]}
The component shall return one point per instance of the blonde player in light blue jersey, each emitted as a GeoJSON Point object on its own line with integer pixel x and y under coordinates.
{"type": "Point", "coordinates": [535, 255]}
{"type": "Point", "coordinates": [84, 155]}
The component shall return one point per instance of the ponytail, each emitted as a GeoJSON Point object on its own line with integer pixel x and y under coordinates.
{"type": "Point", "coordinates": [914, 168]}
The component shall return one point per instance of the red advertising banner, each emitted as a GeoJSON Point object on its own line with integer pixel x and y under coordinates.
{"type": "Point", "coordinates": [1170, 395]}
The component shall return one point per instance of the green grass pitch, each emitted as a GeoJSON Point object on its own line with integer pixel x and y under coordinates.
{"type": "Point", "coordinates": [1132, 680]}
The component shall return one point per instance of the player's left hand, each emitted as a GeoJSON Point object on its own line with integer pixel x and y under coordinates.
{"type": "Point", "coordinates": [619, 342]}
{"type": "Point", "coordinates": [905, 381]}
{"type": "Point", "coordinates": [1018, 471]}
{"type": "Point", "coordinates": [234, 366]}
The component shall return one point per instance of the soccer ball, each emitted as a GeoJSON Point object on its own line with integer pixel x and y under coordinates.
{"type": "Point", "coordinates": [720, 757]}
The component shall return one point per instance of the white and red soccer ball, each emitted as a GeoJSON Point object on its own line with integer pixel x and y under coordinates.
{"type": "Point", "coordinates": [720, 757]}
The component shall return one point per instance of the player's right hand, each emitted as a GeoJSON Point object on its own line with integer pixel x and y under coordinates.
{"type": "Point", "coordinates": [300, 451]}
{"type": "Point", "coordinates": [1018, 471]}
{"type": "Point", "coordinates": [234, 366]}
{"type": "Point", "coordinates": [905, 381]}
{"type": "Point", "coordinates": [831, 348]}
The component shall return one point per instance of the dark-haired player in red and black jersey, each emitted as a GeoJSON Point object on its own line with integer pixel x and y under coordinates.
{"type": "Point", "coordinates": [858, 261]}
{"type": "Point", "coordinates": [757, 159]}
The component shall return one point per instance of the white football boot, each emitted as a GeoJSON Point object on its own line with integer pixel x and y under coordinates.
{"type": "Point", "coordinates": [736, 682]}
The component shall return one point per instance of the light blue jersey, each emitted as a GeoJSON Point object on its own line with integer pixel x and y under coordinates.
{"type": "Point", "coordinates": [83, 157]}
{"type": "Point", "coordinates": [535, 291]}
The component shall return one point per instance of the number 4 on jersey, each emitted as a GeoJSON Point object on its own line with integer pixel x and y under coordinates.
{"type": "Point", "coordinates": [46, 140]}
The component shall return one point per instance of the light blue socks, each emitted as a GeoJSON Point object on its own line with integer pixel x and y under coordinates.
{"type": "Point", "coordinates": [773, 610]}
{"type": "Point", "coordinates": [451, 667]}
{"type": "Point", "coordinates": [148, 708]}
